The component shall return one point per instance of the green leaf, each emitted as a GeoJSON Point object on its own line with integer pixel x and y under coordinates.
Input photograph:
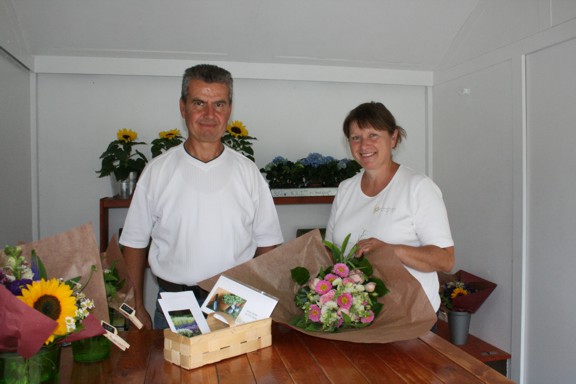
{"type": "Point", "coordinates": [381, 288]}
{"type": "Point", "coordinates": [40, 265]}
{"type": "Point", "coordinates": [365, 266]}
{"type": "Point", "coordinates": [300, 275]}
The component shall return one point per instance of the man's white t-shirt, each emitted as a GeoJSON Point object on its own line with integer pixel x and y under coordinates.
{"type": "Point", "coordinates": [409, 211]}
{"type": "Point", "coordinates": [201, 218]}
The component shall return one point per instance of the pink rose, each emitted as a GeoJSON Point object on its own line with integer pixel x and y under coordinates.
{"type": "Point", "coordinates": [370, 287]}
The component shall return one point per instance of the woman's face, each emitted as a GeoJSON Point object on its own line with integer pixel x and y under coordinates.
{"type": "Point", "coordinates": [371, 148]}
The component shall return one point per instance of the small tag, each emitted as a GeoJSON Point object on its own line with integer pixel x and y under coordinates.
{"type": "Point", "coordinates": [130, 313]}
{"type": "Point", "coordinates": [112, 335]}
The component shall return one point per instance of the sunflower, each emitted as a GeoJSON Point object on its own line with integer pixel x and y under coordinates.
{"type": "Point", "coordinates": [126, 135]}
{"type": "Point", "coordinates": [54, 299]}
{"type": "Point", "coordinates": [459, 292]}
{"type": "Point", "coordinates": [169, 135]}
{"type": "Point", "coordinates": [237, 129]}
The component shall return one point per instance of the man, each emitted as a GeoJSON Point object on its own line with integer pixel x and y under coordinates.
{"type": "Point", "coordinates": [203, 207]}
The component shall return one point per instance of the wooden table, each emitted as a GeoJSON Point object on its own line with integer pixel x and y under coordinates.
{"type": "Point", "coordinates": [293, 358]}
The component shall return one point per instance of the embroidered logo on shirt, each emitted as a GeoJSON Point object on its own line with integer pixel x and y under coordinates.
{"type": "Point", "coordinates": [378, 210]}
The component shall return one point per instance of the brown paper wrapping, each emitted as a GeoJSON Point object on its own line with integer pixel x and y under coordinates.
{"type": "Point", "coordinates": [71, 254]}
{"type": "Point", "coordinates": [126, 293]}
{"type": "Point", "coordinates": [66, 255]}
{"type": "Point", "coordinates": [407, 312]}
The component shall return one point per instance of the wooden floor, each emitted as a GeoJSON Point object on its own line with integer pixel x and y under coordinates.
{"type": "Point", "coordinates": [293, 358]}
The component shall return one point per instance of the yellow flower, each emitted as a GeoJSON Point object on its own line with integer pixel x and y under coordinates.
{"type": "Point", "coordinates": [458, 292]}
{"type": "Point", "coordinates": [169, 134]}
{"type": "Point", "coordinates": [126, 135]}
{"type": "Point", "coordinates": [237, 129]}
{"type": "Point", "coordinates": [54, 299]}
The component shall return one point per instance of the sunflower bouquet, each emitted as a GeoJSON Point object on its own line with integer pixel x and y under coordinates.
{"type": "Point", "coordinates": [342, 295]}
{"type": "Point", "coordinates": [62, 301]}
{"type": "Point", "coordinates": [121, 158]}
{"type": "Point", "coordinates": [237, 138]}
{"type": "Point", "coordinates": [165, 141]}
{"type": "Point", "coordinates": [463, 291]}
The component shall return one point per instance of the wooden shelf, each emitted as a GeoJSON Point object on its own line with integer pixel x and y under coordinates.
{"type": "Point", "coordinates": [284, 200]}
{"type": "Point", "coordinates": [481, 350]}
{"type": "Point", "coordinates": [106, 203]}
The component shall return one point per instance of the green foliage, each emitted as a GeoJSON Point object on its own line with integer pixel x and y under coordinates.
{"type": "Point", "coordinates": [120, 158]}
{"type": "Point", "coordinates": [242, 144]}
{"type": "Point", "coordinates": [314, 170]}
{"type": "Point", "coordinates": [300, 275]}
{"type": "Point", "coordinates": [232, 299]}
{"type": "Point", "coordinates": [38, 265]}
{"type": "Point", "coordinates": [166, 141]}
{"type": "Point", "coordinates": [112, 282]}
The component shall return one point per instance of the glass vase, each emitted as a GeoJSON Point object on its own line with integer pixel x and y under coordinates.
{"type": "Point", "coordinates": [42, 368]}
{"type": "Point", "coordinates": [91, 349]}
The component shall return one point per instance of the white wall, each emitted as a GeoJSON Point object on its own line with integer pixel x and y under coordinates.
{"type": "Point", "coordinates": [78, 115]}
{"type": "Point", "coordinates": [551, 212]}
{"type": "Point", "coordinates": [475, 167]}
{"type": "Point", "coordinates": [481, 157]}
{"type": "Point", "coordinates": [15, 153]}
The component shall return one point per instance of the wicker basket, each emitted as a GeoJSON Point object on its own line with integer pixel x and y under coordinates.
{"type": "Point", "coordinates": [220, 344]}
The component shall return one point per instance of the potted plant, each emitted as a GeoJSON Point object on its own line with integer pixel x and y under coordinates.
{"type": "Point", "coordinates": [237, 138]}
{"type": "Point", "coordinates": [313, 171]}
{"type": "Point", "coordinates": [165, 141]}
{"type": "Point", "coordinates": [123, 162]}
{"type": "Point", "coordinates": [233, 302]}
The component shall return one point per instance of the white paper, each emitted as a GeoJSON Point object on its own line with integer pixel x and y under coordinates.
{"type": "Point", "coordinates": [183, 313]}
{"type": "Point", "coordinates": [242, 302]}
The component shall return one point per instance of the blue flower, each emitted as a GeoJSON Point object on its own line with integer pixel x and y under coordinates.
{"type": "Point", "coordinates": [313, 160]}
{"type": "Point", "coordinates": [279, 160]}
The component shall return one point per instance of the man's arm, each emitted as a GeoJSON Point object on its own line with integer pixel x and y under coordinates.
{"type": "Point", "coordinates": [135, 259]}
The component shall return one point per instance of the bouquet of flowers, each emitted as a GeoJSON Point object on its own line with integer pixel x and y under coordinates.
{"type": "Point", "coordinates": [343, 295]}
{"type": "Point", "coordinates": [165, 141]}
{"type": "Point", "coordinates": [464, 292]}
{"type": "Point", "coordinates": [62, 301]}
{"type": "Point", "coordinates": [237, 138]}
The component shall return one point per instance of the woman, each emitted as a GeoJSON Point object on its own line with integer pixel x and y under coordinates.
{"type": "Point", "coordinates": [388, 205]}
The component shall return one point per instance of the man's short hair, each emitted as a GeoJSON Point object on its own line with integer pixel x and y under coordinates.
{"type": "Point", "coordinates": [207, 73]}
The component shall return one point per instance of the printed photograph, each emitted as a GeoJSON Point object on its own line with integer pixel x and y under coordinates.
{"type": "Point", "coordinates": [227, 302]}
{"type": "Point", "coordinates": [184, 323]}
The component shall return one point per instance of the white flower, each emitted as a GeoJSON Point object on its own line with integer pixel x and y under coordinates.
{"type": "Point", "coordinates": [70, 324]}
{"type": "Point", "coordinates": [28, 274]}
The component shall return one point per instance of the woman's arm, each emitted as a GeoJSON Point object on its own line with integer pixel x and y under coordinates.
{"type": "Point", "coordinates": [428, 258]}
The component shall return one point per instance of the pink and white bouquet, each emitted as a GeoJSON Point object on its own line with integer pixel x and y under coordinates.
{"type": "Point", "coordinates": [343, 295]}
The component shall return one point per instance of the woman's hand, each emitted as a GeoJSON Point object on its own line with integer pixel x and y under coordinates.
{"type": "Point", "coordinates": [368, 245]}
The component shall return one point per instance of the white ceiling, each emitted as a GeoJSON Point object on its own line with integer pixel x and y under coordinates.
{"type": "Point", "coordinates": [395, 34]}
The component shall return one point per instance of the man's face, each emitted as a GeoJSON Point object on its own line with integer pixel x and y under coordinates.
{"type": "Point", "coordinates": [206, 111]}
